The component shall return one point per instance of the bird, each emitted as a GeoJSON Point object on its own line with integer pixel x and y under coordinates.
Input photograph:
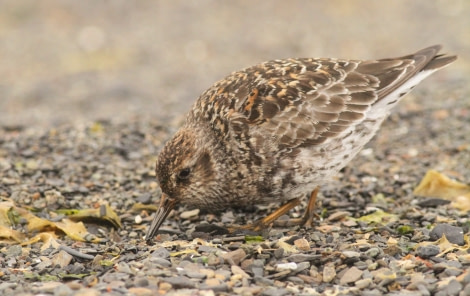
{"type": "Point", "coordinates": [274, 132]}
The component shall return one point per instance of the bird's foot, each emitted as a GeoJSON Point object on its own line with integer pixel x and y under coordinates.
{"type": "Point", "coordinates": [306, 220]}
{"type": "Point", "coordinates": [309, 215]}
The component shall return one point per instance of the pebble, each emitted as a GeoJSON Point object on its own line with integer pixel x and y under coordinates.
{"type": "Point", "coordinates": [453, 288]}
{"type": "Point", "coordinates": [161, 253]}
{"type": "Point", "coordinates": [62, 290]}
{"type": "Point", "coordinates": [339, 215]}
{"type": "Point", "coordinates": [302, 257]}
{"type": "Point", "coordinates": [373, 252]}
{"type": "Point", "coordinates": [329, 272]}
{"type": "Point", "coordinates": [61, 259]}
{"type": "Point", "coordinates": [453, 234]}
{"type": "Point", "coordinates": [87, 292]}
{"type": "Point", "coordinates": [180, 282]}
{"type": "Point", "coordinates": [189, 214]}
{"type": "Point", "coordinates": [234, 257]}
{"type": "Point", "coordinates": [350, 276]}
{"type": "Point", "coordinates": [363, 283]}
{"type": "Point", "coordinates": [301, 267]}
{"type": "Point", "coordinates": [271, 291]}
{"type": "Point", "coordinates": [286, 266]}
{"type": "Point", "coordinates": [302, 244]}
{"type": "Point", "coordinates": [14, 251]}
{"type": "Point", "coordinates": [236, 270]}
{"type": "Point", "coordinates": [428, 251]}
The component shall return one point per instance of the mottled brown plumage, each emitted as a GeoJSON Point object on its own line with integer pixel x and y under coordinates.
{"type": "Point", "coordinates": [275, 131]}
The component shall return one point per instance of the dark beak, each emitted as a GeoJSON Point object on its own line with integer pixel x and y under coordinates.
{"type": "Point", "coordinates": [166, 205]}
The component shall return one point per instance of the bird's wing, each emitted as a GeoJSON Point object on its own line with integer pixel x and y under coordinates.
{"type": "Point", "coordinates": [304, 102]}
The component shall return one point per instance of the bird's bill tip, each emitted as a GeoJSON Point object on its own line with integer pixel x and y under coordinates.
{"type": "Point", "coordinates": [166, 205]}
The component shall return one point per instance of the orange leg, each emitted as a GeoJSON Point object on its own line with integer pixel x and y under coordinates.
{"type": "Point", "coordinates": [306, 220]}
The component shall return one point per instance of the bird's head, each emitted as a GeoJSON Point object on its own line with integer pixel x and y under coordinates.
{"type": "Point", "coordinates": [186, 174]}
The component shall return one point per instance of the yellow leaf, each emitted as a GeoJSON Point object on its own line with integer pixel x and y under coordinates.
{"type": "Point", "coordinates": [10, 234]}
{"type": "Point", "coordinates": [75, 230]}
{"type": "Point", "coordinates": [48, 239]}
{"type": "Point", "coordinates": [379, 217]}
{"type": "Point", "coordinates": [103, 213]}
{"type": "Point", "coordinates": [435, 184]}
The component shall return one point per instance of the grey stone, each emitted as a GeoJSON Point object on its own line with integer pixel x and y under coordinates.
{"type": "Point", "coordinates": [350, 276]}
{"type": "Point", "coordinates": [428, 251]}
{"type": "Point", "coordinates": [453, 234]}
{"type": "Point", "coordinates": [161, 253]}
{"type": "Point", "coordinates": [179, 282]}
{"type": "Point", "coordinates": [453, 288]}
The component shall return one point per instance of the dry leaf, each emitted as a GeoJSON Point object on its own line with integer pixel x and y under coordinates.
{"type": "Point", "coordinates": [379, 217]}
{"type": "Point", "coordinates": [445, 246]}
{"type": "Point", "coordinates": [435, 184]}
{"type": "Point", "coordinates": [48, 239]}
{"type": "Point", "coordinates": [103, 213]}
{"type": "Point", "coordinates": [11, 236]}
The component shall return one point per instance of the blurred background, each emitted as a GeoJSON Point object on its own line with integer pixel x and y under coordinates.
{"type": "Point", "coordinates": [78, 61]}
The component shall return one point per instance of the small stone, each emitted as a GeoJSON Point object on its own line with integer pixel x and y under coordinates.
{"type": "Point", "coordinates": [329, 272]}
{"type": "Point", "coordinates": [303, 257]}
{"type": "Point", "coordinates": [189, 214]}
{"type": "Point", "coordinates": [248, 290]}
{"type": "Point", "coordinates": [351, 254]}
{"type": "Point", "coordinates": [164, 286]}
{"type": "Point", "coordinates": [454, 287]}
{"type": "Point", "coordinates": [180, 282]}
{"type": "Point", "coordinates": [212, 282]}
{"type": "Point", "coordinates": [61, 259]}
{"type": "Point", "coordinates": [373, 252]}
{"type": "Point", "coordinates": [236, 270]}
{"type": "Point", "coordinates": [161, 253]}
{"type": "Point", "coordinates": [213, 260]}
{"type": "Point", "coordinates": [286, 266]}
{"type": "Point", "coordinates": [338, 216]}
{"type": "Point", "coordinates": [14, 251]}
{"type": "Point", "coordinates": [141, 282]}
{"type": "Point", "coordinates": [350, 276]}
{"type": "Point", "coordinates": [87, 292]}
{"type": "Point", "coordinates": [272, 291]}
{"type": "Point", "coordinates": [295, 280]}
{"type": "Point", "coordinates": [161, 262]}
{"type": "Point", "coordinates": [63, 290]}
{"type": "Point", "coordinates": [263, 281]}
{"type": "Point", "coordinates": [373, 292]}
{"type": "Point", "coordinates": [384, 276]}
{"type": "Point", "coordinates": [318, 278]}
{"type": "Point", "coordinates": [363, 283]}
{"type": "Point", "coordinates": [209, 273]}
{"type": "Point", "coordinates": [466, 289]}
{"type": "Point", "coordinates": [372, 266]}
{"type": "Point", "coordinates": [302, 244]}
{"type": "Point", "coordinates": [234, 257]}
{"type": "Point", "coordinates": [140, 291]}
{"type": "Point", "coordinates": [428, 251]}
{"type": "Point", "coordinates": [195, 274]}
{"type": "Point", "coordinates": [279, 253]}
{"type": "Point", "coordinates": [453, 234]}
{"type": "Point", "coordinates": [47, 287]}
{"type": "Point", "coordinates": [222, 274]}
{"type": "Point", "coordinates": [453, 271]}
{"type": "Point", "coordinates": [301, 267]}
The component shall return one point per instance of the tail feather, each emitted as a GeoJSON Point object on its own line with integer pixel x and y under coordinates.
{"type": "Point", "coordinates": [416, 67]}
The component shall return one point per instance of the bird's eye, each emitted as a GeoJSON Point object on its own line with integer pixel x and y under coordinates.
{"type": "Point", "coordinates": [184, 174]}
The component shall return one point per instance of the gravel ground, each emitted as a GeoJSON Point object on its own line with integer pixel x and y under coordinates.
{"type": "Point", "coordinates": [74, 135]}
